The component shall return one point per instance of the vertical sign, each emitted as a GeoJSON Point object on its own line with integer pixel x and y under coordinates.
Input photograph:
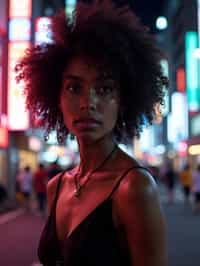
{"type": "Point", "coordinates": [70, 6]}
{"type": "Point", "coordinates": [19, 40]}
{"type": "Point", "coordinates": [198, 16]}
{"type": "Point", "coordinates": [165, 67]}
{"type": "Point", "coordinates": [193, 90]}
{"type": "Point", "coordinates": [1, 81]}
{"type": "Point", "coordinates": [180, 79]}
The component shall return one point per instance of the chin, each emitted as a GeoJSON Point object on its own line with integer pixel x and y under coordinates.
{"type": "Point", "coordinates": [89, 137]}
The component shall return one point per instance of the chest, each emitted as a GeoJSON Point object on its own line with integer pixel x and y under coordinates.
{"type": "Point", "coordinates": [71, 211]}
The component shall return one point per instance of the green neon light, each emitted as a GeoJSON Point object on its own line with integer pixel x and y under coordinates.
{"type": "Point", "coordinates": [193, 90]}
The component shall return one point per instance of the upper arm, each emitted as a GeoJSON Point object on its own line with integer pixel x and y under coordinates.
{"type": "Point", "coordinates": [141, 217]}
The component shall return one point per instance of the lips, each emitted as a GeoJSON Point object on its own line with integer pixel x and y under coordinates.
{"type": "Point", "coordinates": [87, 123]}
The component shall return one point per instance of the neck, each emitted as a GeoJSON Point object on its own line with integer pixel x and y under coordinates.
{"type": "Point", "coordinates": [92, 155]}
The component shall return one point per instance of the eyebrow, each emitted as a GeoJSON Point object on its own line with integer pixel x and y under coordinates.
{"type": "Point", "coordinates": [78, 78]}
{"type": "Point", "coordinates": [73, 77]}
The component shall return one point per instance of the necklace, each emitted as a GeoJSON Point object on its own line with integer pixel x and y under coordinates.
{"type": "Point", "coordinates": [78, 185]}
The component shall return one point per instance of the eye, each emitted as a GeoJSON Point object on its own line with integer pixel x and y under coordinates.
{"type": "Point", "coordinates": [72, 88]}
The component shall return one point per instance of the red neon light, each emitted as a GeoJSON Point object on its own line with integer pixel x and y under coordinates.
{"type": "Point", "coordinates": [3, 137]}
{"type": "Point", "coordinates": [18, 116]}
{"type": "Point", "coordinates": [180, 79]}
{"type": "Point", "coordinates": [22, 8]}
{"type": "Point", "coordinates": [182, 148]}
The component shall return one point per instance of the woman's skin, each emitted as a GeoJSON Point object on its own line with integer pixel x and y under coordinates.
{"type": "Point", "coordinates": [90, 105]}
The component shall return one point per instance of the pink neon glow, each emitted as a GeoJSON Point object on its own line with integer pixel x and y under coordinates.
{"type": "Point", "coordinates": [18, 116]}
{"type": "Point", "coordinates": [22, 8]}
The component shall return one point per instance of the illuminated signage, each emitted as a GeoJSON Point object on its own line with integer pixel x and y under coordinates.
{"type": "Point", "coordinates": [18, 117]}
{"type": "Point", "coordinates": [43, 32]}
{"type": "Point", "coordinates": [70, 6]}
{"type": "Point", "coordinates": [165, 69]}
{"type": "Point", "coordinates": [177, 120]}
{"type": "Point", "coordinates": [1, 80]}
{"type": "Point", "coordinates": [182, 148]}
{"type": "Point", "coordinates": [19, 29]}
{"type": "Point", "coordinates": [3, 137]}
{"type": "Point", "coordinates": [22, 8]}
{"type": "Point", "coordinates": [195, 125]}
{"type": "Point", "coordinates": [180, 79]}
{"type": "Point", "coordinates": [19, 39]}
{"type": "Point", "coordinates": [198, 16]}
{"type": "Point", "coordinates": [194, 149]}
{"type": "Point", "coordinates": [193, 90]}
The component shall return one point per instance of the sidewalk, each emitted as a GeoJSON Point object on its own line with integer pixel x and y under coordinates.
{"type": "Point", "coordinates": [8, 206]}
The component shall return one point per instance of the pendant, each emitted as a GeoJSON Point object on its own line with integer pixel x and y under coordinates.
{"type": "Point", "coordinates": [77, 191]}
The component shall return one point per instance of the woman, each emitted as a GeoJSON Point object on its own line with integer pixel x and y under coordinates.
{"type": "Point", "coordinates": [99, 80]}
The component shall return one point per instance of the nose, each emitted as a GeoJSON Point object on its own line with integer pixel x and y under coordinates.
{"type": "Point", "coordinates": [89, 100]}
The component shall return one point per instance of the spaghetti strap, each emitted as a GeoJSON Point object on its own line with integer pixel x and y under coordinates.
{"type": "Point", "coordinates": [58, 187]}
{"type": "Point", "coordinates": [123, 175]}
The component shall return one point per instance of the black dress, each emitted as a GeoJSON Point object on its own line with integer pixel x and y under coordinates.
{"type": "Point", "coordinates": [95, 242]}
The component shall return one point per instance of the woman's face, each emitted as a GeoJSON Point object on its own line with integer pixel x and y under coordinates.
{"type": "Point", "coordinates": [89, 100]}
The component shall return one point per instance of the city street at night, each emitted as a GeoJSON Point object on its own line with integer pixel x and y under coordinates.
{"type": "Point", "coordinates": [100, 98]}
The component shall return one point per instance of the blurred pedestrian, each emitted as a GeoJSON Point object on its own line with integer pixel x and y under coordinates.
{"type": "Point", "coordinates": [196, 189]}
{"type": "Point", "coordinates": [97, 80]}
{"type": "Point", "coordinates": [40, 187]}
{"type": "Point", "coordinates": [3, 193]}
{"type": "Point", "coordinates": [186, 181]}
{"type": "Point", "coordinates": [54, 169]}
{"type": "Point", "coordinates": [170, 179]}
{"type": "Point", "coordinates": [25, 179]}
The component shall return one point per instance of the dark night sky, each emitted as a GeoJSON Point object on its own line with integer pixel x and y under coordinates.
{"type": "Point", "coordinates": [148, 10]}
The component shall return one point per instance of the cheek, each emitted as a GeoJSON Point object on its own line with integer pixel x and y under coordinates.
{"type": "Point", "coordinates": [66, 109]}
{"type": "Point", "coordinates": [111, 114]}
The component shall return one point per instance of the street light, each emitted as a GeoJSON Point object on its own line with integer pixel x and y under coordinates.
{"type": "Point", "coordinates": [161, 23]}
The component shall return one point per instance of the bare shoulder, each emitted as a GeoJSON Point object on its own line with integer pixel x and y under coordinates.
{"type": "Point", "coordinates": [138, 183]}
{"type": "Point", "coordinates": [140, 215]}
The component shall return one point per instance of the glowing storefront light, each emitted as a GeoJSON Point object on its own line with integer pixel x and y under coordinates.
{"type": "Point", "coordinates": [22, 8]}
{"type": "Point", "coordinates": [178, 119]}
{"type": "Point", "coordinates": [182, 148]}
{"type": "Point", "coordinates": [18, 117]}
{"type": "Point", "coordinates": [3, 137]}
{"type": "Point", "coordinates": [1, 76]}
{"type": "Point", "coordinates": [19, 40]}
{"type": "Point", "coordinates": [194, 149]}
{"type": "Point", "coordinates": [193, 90]}
{"type": "Point", "coordinates": [43, 31]}
{"type": "Point", "coordinates": [20, 29]}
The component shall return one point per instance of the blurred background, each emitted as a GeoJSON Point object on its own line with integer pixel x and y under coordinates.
{"type": "Point", "coordinates": [170, 148]}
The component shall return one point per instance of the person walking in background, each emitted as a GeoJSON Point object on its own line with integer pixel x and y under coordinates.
{"type": "Point", "coordinates": [25, 181]}
{"type": "Point", "coordinates": [40, 187]}
{"type": "Point", "coordinates": [196, 189]}
{"type": "Point", "coordinates": [185, 177]}
{"type": "Point", "coordinates": [53, 170]}
{"type": "Point", "coordinates": [97, 80]}
{"type": "Point", "coordinates": [170, 179]}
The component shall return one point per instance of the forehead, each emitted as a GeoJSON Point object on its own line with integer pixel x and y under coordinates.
{"type": "Point", "coordinates": [88, 67]}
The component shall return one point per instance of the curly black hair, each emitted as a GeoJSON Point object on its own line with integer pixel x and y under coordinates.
{"type": "Point", "coordinates": [115, 38]}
